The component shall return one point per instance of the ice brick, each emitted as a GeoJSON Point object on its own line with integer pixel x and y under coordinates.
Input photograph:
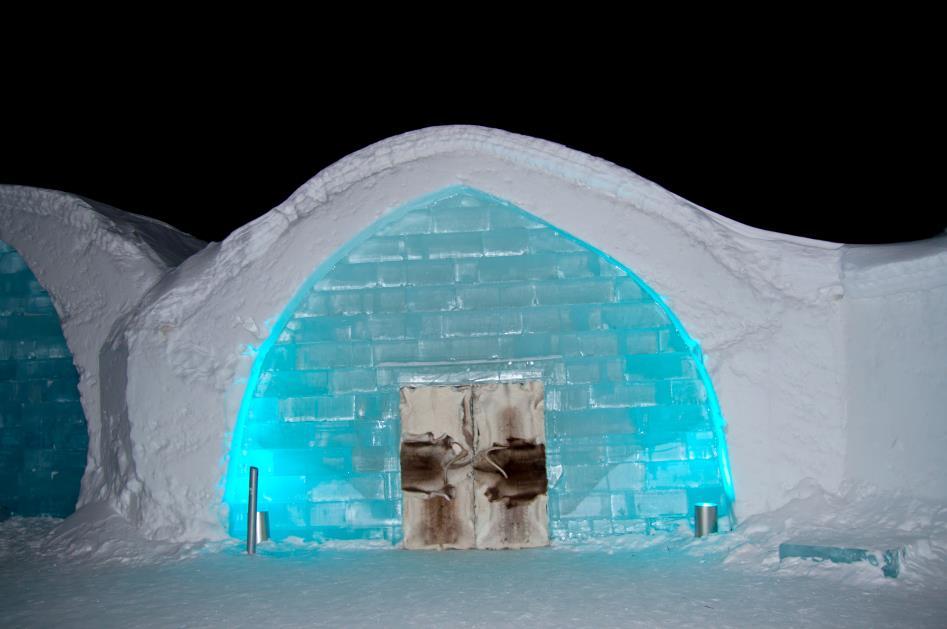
{"type": "Point", "coordinates": [592, 505]}
{"type": "Point", "coordinates": [378, 249]}
{"type": "Point", "coordinates": [665, 419]}
{"type": "Point", "coordinates": [526, 345]}
{"type": "Point", "coordinates": [395, 352]}
{"type": "Point", "coordinates": [350, 302]}
{"type": "Point", "coordinates": [351, 380]}
{"type": "Point", "coordinates": [390, 326]}
{"type": "Point", "coordinates": [678, 474]}
{"type": "Point", "coordinates": [423, 272]}
{"type": "Point", "coordinates": [478, 296]}
{"type": "Point", "coordinates": [416, 222]}
{"type": "Point", "coordinates": [324, 355]}
{"type": "Point", "coordinates": [534, 267]}
{"type": "Point", "coordinates": [482, 323]}
{"type": "Point", "coordinates": [372, 513]}
{"type": "Point", "coordinates": [317, 329]}
{"type": "Point", "coordinates": [282, 384]}
{"type": "Point", "coordinates": [319, 407]}
{"type": "Point", "coordinates": [388, 299]}
{"type": "Point", "coordinates": [623, 395]}
{"type": "Point", "coordinates": [508, 218]}
{"type": "Point", "coordinates": [431, 298]}
{"type": "Point", "coordinates": [591, 422]}
{"type": "Point", "coordinates": [634, 315]}
{"type": "Point", "coordinates": [627, 289]}
{"type": "Point", "coordinates": [583, 370]}
{"type": "Point", "coordinates": [626, 476]}
{"type": "Point", "coordinates": [517, 295]}
{"type": "Point", "coordinates": [659, 366]}
{"type": "Point", "coordinates": [585, 318]}
{"type": "Point", "coordinates": [460, 219]}
{"type": "Point", "coordinates": [382, 406]}
{"type": "Point", "coordinates": [347, 275]}
{"type": "Point", "coordinates": [445, 246]}
{"type": "Point", "coordinates": [588, 291]}
{"type": "Point", "coordinates": [661, 503]}
{"type": "Point", "coordinates": [537, 320]}
{"type": "Point", "coordinates": [505, 242]}
{"type": "Point", "coordinates": [328, 513]}
{"type": "Point", "coordinates": [549, 240]}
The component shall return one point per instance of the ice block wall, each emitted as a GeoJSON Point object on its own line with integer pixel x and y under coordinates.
{"type": "Point", "coordinates": [43, 434]}
{"type": "Point", "coordinates": [458, 288]}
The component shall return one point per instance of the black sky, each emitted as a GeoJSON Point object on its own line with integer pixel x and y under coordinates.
{"type": "Point", "coordinates": [820, 158]}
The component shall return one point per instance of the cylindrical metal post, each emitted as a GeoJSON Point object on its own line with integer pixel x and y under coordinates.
{"type": "Point", "coordinates": [705, 518]}
{"type": "Point", "coordinates": [251, 511]}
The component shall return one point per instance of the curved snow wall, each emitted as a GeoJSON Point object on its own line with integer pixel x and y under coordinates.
{"type": "Point", "coordinates": [43, 434]}
{"type": "Point", "coordinates": [459, 288]}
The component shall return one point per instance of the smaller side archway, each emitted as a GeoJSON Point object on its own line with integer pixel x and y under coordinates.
{"type": "Point", "coordinates": [43, 432]}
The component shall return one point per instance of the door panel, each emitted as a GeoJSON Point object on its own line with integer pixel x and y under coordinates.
{"type": "Point", "coordinates": [436, 476]}
{"type": "Point", "coordinates": [510, 465]}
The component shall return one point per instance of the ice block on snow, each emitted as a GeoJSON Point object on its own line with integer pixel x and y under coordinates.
{"type": "Point", "coordinates": [889, 560]}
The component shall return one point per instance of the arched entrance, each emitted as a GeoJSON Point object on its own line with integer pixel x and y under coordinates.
{"type": "Point", "coordinates": [463, 288]}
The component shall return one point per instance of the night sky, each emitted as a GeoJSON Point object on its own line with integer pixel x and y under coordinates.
{"type": "Point", "coordinates": [822, 162]}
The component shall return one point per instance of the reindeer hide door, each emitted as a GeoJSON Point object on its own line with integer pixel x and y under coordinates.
{"type": "Point", "coordinates": [510, 465]}
{"type": "Point", "coordinates": [436, 473]}
{"type": "Point", "coordinates": [473, 466]}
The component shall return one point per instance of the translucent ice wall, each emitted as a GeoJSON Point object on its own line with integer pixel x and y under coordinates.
{"type": "Point", "coordinates": [462, 287]}
{"type": "Point", "coordinates": [43, 435]}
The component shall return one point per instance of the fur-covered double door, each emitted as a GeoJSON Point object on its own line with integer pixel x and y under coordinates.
{"type": "Point", "coordinates": [473, 466]}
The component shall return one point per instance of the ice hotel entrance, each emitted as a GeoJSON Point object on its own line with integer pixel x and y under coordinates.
{"type": "Point", "coordinates": [363, 404]}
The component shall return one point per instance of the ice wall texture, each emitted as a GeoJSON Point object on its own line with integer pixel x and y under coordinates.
{"type": "Point", "coordinates": [462, 288]}
{"type": "Point", "coordinates": [43, 433]}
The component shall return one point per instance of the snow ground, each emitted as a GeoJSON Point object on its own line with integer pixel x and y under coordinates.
{"type": "Point", "coordinates": [53, 574]}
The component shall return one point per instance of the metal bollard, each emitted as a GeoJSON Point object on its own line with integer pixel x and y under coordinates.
{"type": "Point", "coordinates": [251, 511]}
{"type": "Point", "coordinates": [705, 518]}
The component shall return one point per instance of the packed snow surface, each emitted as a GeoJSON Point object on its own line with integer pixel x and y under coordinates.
{"type": "Point", "coordinates": [95, 570]}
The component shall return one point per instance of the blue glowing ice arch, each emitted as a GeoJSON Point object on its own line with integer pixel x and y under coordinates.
{"type": "Point", "coordinates": [462, 287]}
{"type": "Point", "coordinates": [43, 435]}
